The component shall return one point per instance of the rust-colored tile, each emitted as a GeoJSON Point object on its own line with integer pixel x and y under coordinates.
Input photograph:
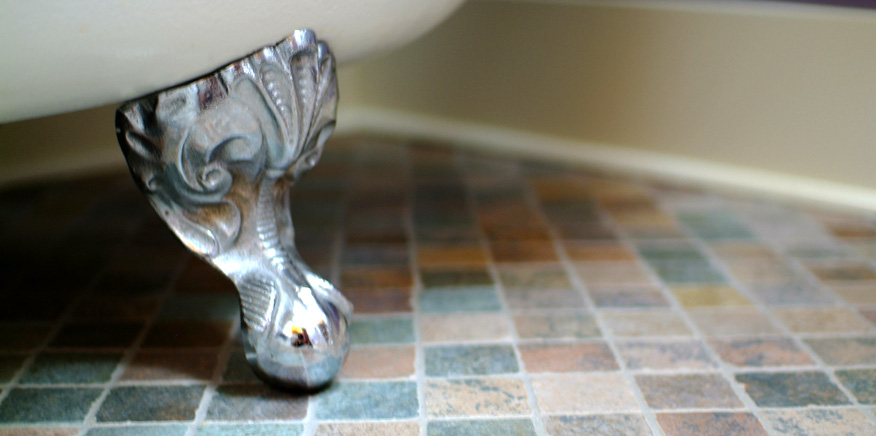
{"type": "Point", "coordinates": [386, 277]}
{"type": "Point", "coordinates": [687, 391]}
{"type": "Point", "coordinates": [379, 300]}
{"type": "Point", "coordinates": [659, 355]}
{"type": "Point", "coordinates": [451, 255]}
{"type": "Point", "coordinates": [523, 251]}
{"type": "Point", "coordinates": [583, 393]}
{"type": "Point", "coordinates": [378, 362]}
{"type": "Point", "coordinates": [857, 294]}
{"type": "Point", "coordinates": [822, 320]}
{"type": "Point", "coordinates": [511, 232]}
{"type": "Point", "coordinates": [760, 352]}
{"type": "Point", "coordinates": [598, 252]}
{"type": "Point", "coordinates": [844, 272]}
{"type": "Point", "coordinates": [368, 429]}
{"type": "Point", "coordinates": [171, 365]}
{"type": "Point", "coordinates": [476, 397]}
{"type": "Point", "coordinates": [522, 299]}
{"type": "Point", "coordinates": [710, 424]}
{"type": "Point", "coordinates": [567, 357]}
{"type": "Point", "coordinates": [761, 271]}
{"type": "Point", "coordinates": [464, 327]}
{"type": "Point", "coordinates": [743, 251]}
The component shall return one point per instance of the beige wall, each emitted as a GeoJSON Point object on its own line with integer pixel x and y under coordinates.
{"type": "Point", "coordinates": [790, 91]}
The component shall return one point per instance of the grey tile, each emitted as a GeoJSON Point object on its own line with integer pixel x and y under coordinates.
{"type": "Point", "coordinates": [368, 401]}
{"type": "Point", "coordinates": [47, 404]}
{"type": "Point", "coordinates": [151, 403]}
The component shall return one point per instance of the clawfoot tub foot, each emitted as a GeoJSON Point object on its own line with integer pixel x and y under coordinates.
{"type": "Point", "coordinates": [216, 159]}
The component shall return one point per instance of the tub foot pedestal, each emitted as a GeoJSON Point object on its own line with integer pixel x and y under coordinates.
{"type": "Point", "coordinates": [216, 158]}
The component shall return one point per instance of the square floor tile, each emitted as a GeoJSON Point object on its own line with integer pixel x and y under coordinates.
{"type": "Point", "coordinates": [760, 352]}
{"type": "Point", "coordinates": [463, 360]}
{"type": "Point", "coordinates": [534, 276]}
{"type": "Point", "coordinates": [627, 297]}
{"type": "Point", "coordinates": [71, 368]}
{"type": "Point", "coordinates": [47, 405]}
{"type": "Point", "coordinates": [650, 323]}
{"type": "Point", "coordinates": [455, 278]}
{"type": "Point", "coordinates": [791, 389]}
{"type": "Point", "coordinates": [451, 255]}
{"type": "Point", "coordinates": [660, 355]}
{"type": "Point", "coordinates": [186, 334]}
{"type": "Point", "coordinates": [97, 335]}
{"type": "Point", "coordinates": [476, 397]}
{"type": "Point", "coordinates": [709, 296]}
{"type": "Point", "coordinates": [505, 427]}
{"type": "Point", "coordinates": [732, 322]}
{"type": "Point", "coordinates": [523, 299]}
{"type": "Point", "coordinates": [583, 393]}
{"type": "Point", "coordinates": [715, 226]}
{"type": "Point", "coordinates": [596, 274]}
{"type": "Point", "coordinates": [374, 255]}
{"type": "Point", "coordinates": [365, 331]}
{"type": "Point", "coordinates": [151, 403]}
{"type": "Point", "coordinates": [171, 365]}
{"type": "Point", "coordinates": [464, 327]}
{"type": "Point", "coordinates": [523, 251]}
{"type": "Point", "coordinates": [687, 272]}
{"type": "Point", "coordinates": [378, 362]}
{"type": "Point", "coordinates": [797, 292]}
{"type": "Point", "coordinates": [345, 401]}
{"type": "Point", "coordinates": [760, 271]}
{"type": "Point", "coordinates": [580, 251]}
{"type": "Point", "coordinates": [710, 424]}
{"type": "Point", "coordinates": [252, 429]}
{"type": "Point", "coordinates": [597, 425]}
{"type": "Point", "coordinates": [139, 430]}
{"type": "Point", "coordinates": [861, 383]}
{"type": "Point", "coordinates": [379, 300]}
{"type": "Point", "coordinates": [822, 320]}
{"type": "Point", "coordinates": [238, 370]}
{"type": "Point", "coordinates": [844, 272]}
{"type": "Point", "coordinates": [845, 350]}
{"type": "Point", "coordinates": [371, 277]}
{"type": "Point", "coordinates": [460, 300]}
{"type": "Point", "coordinates": [556, 325]}
{"type": "Point", "coordinates": [687, 391]}
{"type": "Point", "coordinates": [819, 422]}
{"type": "Point", "coordinates": [256, 402]}
{"type": "Point", "coordinates": [856, 294]}
{"type": "Point", "coordinates": [368, 429]}
{"type": "Point", "coordinates": [567, 357]}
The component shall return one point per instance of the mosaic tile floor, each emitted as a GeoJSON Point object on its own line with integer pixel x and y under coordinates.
{"type": "Point", "coordinates": [494, 297]}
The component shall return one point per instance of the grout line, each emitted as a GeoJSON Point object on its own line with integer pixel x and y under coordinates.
{"type": "Point", "coordinates": [215, 381]}
{"type": "Point", "coordinates": [606, 334]}
{"type": "Point", "coordinates": [723, 367]}
{"type": "Point", "coordinates": [471, 202]}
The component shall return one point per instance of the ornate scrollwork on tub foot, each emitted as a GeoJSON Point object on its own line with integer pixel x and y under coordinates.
{"type": "Point", "coordinates": [216, 158]}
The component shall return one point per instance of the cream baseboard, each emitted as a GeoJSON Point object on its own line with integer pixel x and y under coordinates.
{"type": "Point", "coordinates": [626, 160]}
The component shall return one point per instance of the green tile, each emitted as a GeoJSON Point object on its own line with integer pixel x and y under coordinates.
{"type": "Point", "coordinates": [253, 429]}
{"type": "Point", "coordinates": [57, 368]}
{"type": "Point", "coordinates": [463, 300]}
{"type": "Point", "coordinates": [861, 383]}
{"type": "Point", "coordinates": [449, 361]}
{"type": "Point", "coordinates": [47, 405]}
{"type": "Point", "coordinates": [368, 401]}
{"type": "Point", "coordinates": [671, 253]}
{"type": "Point", "coordinates": [9, 365]}
{"type": "Point", "coordinates": [194, 306]}
{"type": "Point", "coordinates": [139, 430]}
{"type": "Point", "coordinates": [799, 389]}
{"type": "Point", "coordinates": [687, 272]}
{"type": "Point", "coordinates": [255, 402]}
{"type": "Point", "coordinates": [151, 403]}
{"type": "Point", "coordinates": [715, 226]}
{"type": "Point", "coordinates": [504, 427]}
{"type": "Point", "coordinates": [382, 331]}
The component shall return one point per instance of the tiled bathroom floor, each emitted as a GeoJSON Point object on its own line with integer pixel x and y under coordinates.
{"type": "Point", "coordinates": [493, 297]}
